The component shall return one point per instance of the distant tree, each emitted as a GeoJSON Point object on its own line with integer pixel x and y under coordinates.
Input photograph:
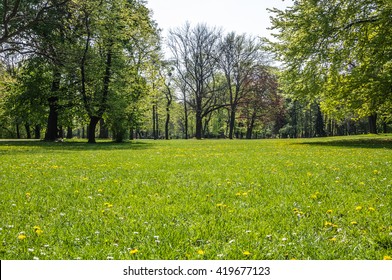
{"type": "Point", "coordinates": [195, 52]}
{"type": "Point", "coordinates": [338, 52]}
{"type": "Point", "coordinates": [239, 55]}
{"type": "Point", "coordinates": [262, 103]}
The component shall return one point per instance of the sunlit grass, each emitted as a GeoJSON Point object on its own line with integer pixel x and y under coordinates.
{"type": "Point", "coordinates": [213, 199]}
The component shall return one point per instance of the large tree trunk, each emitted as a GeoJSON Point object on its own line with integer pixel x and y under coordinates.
{"type": "Point", "coordinates": [91, 129]}
{"type": "Point", "coordinates": [199, 125]}
{"type": "Point", "coordinates": [51, 130]}
{"type": "Point", "coordinates": [373, 124]}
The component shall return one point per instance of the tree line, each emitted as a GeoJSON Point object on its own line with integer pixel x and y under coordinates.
{"type": "Point", "coordinates": [96, 68]}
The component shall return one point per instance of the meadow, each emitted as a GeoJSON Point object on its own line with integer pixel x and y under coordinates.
{"type": "Point", "coordinates": [317, 199]}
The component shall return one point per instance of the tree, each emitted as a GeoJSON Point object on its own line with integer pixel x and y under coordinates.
{"type": "Point", "coordinates": [111, 30]}
{"type": "Point", "coordinates": [338, 52]}
{"type": "Point", "coordinates": [196, 61]}
{"type": "Point", "coordinates": [262, 103]}
{"type": "Point", "coordinates": [19, 17]}
{"type": "Point", "coordinates": [239, 55]}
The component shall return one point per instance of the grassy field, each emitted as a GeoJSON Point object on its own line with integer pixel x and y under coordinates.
{"type": "Point", "coordinates": [213, 199]}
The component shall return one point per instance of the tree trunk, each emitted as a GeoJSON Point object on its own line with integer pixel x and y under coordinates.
{"type": "Point", "coordinates": [167, 122]}
{"type": "Point", "coordinates": [51, 130]}
{"type": "Point", "coordinates": [373, 124]}
{"type": "Point", "coordinates": [199, 125]}
{"type": "Point", "coordinates": [28, 132]}
{"type": "Point", "coordinates": [69, 132]}
{"type": "Point", "coordinates": [37, 131]}
{"type": "Point", "coordinates": [17, 131]}
{"type": "Point", "coordinates": [232, 122]}
{"type": "Point", "coordinates": [91, 129]}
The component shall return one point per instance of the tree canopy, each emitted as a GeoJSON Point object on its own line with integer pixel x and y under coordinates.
{"type": "Point", "coordinates": [338, 52]}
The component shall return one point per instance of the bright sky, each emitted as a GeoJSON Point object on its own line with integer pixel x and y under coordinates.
{"type": "Point", "coordinates": [241, 16]}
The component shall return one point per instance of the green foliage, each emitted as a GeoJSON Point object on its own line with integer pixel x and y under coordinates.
{"type": "Point", "coordinates": [276, 199]}
{"type": "Point", "coordinates": [337, 52]}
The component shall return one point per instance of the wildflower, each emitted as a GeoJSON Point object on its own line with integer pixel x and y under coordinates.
{"type": "Point", "coordinates": [354, 223]}
{"type": "Point", "coordinates": [333, 239]}
{"type": "Point", "coordinates": [247, 253]}
{"type": "Point", "coordinates": [329, 212]}
{"type": "Point", "coordinates": [134, 251]}
{"type": "Point", "coordinates": [108, 205]}
{"type": "Point", "coordinates": [100, 190]}
{"type": "Point", "coordinates": [221, 205]}
{"type": "Point", "coordinates": [238, 194]}
{"type": "Point", "coordinates": [376, 172]}
{"type": "Point", "coordinates": [387, 258]}
{"type": "Point", "coordinates": [371, 209]}
{"type": "Point", "coordinates": [358, 208]}
{"type": "Point", "coordinates": [28, 195]}
{"type": "Point", "coordinates": [200, 252]}
{"type": "Point", "coordinates": [22, 236]}
{"type": "Point", "coordinates": [38, 230]}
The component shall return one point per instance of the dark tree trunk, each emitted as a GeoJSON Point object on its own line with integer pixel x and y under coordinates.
{"type": "Point", "coordinates": [167, 122]}
{"type": "Point", "coordinates": [52, 131]}
{"type": "Point", "coordinates": [17, 131]}
{"type": "Point", "coordinates": [37, 131]}
{"type": "Point", "coordinates": [61, 132]}
{"type": "Point", "coordinates": [69, 132]}
{"type": "Point", "coordinates": [320, 132]}
{"type": "Point", "coordinates": [373, 124]}
{"type": "Point", "coordinates": [199, 125]}
{"type": "Point", "coordinates": [91, 129]}
{"type": "Point", "coordinates": [232, 122]}
{"type": "Point", "coordinates": [28, 132]}
{"type": "Point", "coordinates": [250, 126]}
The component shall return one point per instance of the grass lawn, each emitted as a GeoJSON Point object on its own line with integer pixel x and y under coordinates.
{"type": "Point", "coordinates": [327, 198]}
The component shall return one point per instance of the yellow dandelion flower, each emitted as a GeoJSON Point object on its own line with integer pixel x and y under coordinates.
{"type": "Point", "coordinates": [371, 209]}
{"type": "Point", "coordinates": [329, 211]}
{"type": "Point", "coordinates": [100, 190]}
{"type": "Point", "coordinates": [38, 230]}
{"type": "Point", "coordinates": [22, 236]}
{"type": "Point", "coordinates": [358, 208]}
{"type": "Point", "coordinates": [200, 252]}
{"type": "Point", "coordinates": [238, 194]}
{"type": "Point", "coordinates": [108, 205]}
{"type": "Point", "coordinates": [333, 239]}
{"type": "Point", "coordinates": [328, 224]}
{"type": "Point", "coordinates": [28, 195]}
{"type": "Point", "coordinates": [245, 194]}
{"type": "Point", "coordinates": [134, 251]}
{"type": "Point", "coordinates": [247, 253]}
{"type": "Point", "coordinates": [375, 172]}
{"type": "Point", "coordinates": [387, 258]}
{"type": "Point", "coordinates": [354, 223]}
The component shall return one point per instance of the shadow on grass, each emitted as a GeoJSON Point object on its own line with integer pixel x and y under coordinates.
{"type": "Point", "coordinates": [17, 146]}
{"type": "Point", "coordinates": [381, 143]}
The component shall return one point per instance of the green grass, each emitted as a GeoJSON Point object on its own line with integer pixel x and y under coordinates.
{"type": "Point", "coordinates": [213, 199]}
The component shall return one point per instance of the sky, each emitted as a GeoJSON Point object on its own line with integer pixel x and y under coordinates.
{"type": "Point", "coordinates": [241, 16]}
